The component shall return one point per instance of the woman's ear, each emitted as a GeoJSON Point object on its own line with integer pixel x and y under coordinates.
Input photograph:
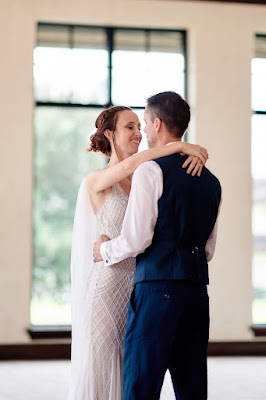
{"type": "Point", "coordinates": [108, 134]}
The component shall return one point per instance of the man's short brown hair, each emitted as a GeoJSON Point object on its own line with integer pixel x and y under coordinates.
{"type": "Point", "coordinates": [172, 110]}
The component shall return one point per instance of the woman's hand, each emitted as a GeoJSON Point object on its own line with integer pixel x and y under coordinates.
{"type": "Point", "coordinates": [195, 150]}
{"type": "Point", "coordinates": [195, 166]}
{"type": "Point", "coordinates": [197, 158]}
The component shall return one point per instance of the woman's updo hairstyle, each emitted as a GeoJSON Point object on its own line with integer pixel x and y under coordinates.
{"type": "Point", "coordinates": [106, 120]}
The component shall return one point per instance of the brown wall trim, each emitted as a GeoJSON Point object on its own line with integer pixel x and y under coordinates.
{"type": "Point", "coordinates": [62, 351]}
{"type": "Point", "coordinates": [35, 352]}
{"type": "Point", "coordinates": [237, 348]}
{"type": "Point", "coordinates": [230, 1]}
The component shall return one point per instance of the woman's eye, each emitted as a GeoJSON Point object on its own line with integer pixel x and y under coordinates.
{"type": "Point", "coordinates": [130, 127]}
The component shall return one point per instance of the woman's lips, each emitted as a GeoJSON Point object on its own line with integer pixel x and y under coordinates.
{"type": "Point", "coordinates": [136, 141]}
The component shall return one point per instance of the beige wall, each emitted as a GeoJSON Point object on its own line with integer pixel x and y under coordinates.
{"type": "Point", "coordinates": [220, 47]}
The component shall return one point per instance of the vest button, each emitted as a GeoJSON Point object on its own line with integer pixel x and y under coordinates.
{"type": "Point", "coordinates": [167, 296]}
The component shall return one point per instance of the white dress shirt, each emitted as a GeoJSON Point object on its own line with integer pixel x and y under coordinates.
{"type": "Point", "coordinates": [141, 216]}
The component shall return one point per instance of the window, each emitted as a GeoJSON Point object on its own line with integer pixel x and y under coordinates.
{"type": "Point", "coordinates": [78, 70]}
{"type": "Point", "coordinates": [258, 142]}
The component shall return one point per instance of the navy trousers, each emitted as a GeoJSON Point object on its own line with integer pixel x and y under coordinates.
{"type": "Point", "coordinates": [167, 328]}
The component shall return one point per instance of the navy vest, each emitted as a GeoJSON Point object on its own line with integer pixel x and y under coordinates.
{"type": "Point", "coordinates": [187, 213]}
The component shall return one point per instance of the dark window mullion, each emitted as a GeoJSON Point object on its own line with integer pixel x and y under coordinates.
{"type": "Point", "coordinates": [71, 45]}
{"type": "Point", "coordinates": [77, 105]}
{"type": "Point", "coordinates": [184, 42]}
{"type": "Point", "coordinates": [74, 105]}
{"type": "Point", "coordinates": [147, 40]}
{"type": "Point", "coordinates": [110, 46]}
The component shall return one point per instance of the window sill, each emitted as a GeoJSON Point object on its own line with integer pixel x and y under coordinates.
{"type": "Point", "coordinates": [49, 331]}
{"type": "Point", "coordinates": [259, 329]}
{"type": "Point", "coordinates": [64, 331]}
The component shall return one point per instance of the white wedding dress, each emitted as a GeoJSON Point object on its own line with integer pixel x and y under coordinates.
{"type": "Point", "coordinates": [100, 297]}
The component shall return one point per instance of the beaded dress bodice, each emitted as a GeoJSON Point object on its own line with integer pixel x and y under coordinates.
{"type": "Point", "coordinates": [111, 215]}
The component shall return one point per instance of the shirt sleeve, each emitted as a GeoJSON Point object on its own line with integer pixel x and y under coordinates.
{"type": "Point", "coordinates": [211, 243]}
{"type": "Point", "coordinates": [140, 218]}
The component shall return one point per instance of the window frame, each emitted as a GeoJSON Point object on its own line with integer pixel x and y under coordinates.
{"type": "Point", "coordinates": [109, 47]}
{"type": "Point", "coordinates": [258, 329]}
{"type": "Point", "coordinates": [64, 331]}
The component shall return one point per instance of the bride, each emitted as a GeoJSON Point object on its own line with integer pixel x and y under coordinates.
{"type": "Point", "coordinates": [99, 294]}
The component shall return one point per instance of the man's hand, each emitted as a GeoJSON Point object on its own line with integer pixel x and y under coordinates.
{"type": "Point", "coordinates": [96, 248]}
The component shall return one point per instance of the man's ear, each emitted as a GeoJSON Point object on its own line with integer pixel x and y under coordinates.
{"type": "Point", "coordinates": [157, 124]}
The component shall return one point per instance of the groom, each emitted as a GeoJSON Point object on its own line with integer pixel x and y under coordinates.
{"type": "Point", "coordinates": [171, 223]}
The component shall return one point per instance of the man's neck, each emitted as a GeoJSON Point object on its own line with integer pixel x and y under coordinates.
{"type": "Point", "coordinates": [167, 140]}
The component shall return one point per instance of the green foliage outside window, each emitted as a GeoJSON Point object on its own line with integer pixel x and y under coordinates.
{"type": "Point", "coordinates": [61, 161]}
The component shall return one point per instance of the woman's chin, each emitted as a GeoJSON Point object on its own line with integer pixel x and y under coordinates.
{"type": "Point", "coordinates": [134, 147]}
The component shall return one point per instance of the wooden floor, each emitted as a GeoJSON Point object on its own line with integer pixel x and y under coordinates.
{"type": "Point", "coordinates": [230, 378]}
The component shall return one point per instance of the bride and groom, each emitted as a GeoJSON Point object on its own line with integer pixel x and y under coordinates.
{"type": "Point", "coordinates": [147, 314]}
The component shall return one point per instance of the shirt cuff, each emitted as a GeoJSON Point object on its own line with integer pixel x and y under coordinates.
{"type": "Point", "coordinates": [104, 254]}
